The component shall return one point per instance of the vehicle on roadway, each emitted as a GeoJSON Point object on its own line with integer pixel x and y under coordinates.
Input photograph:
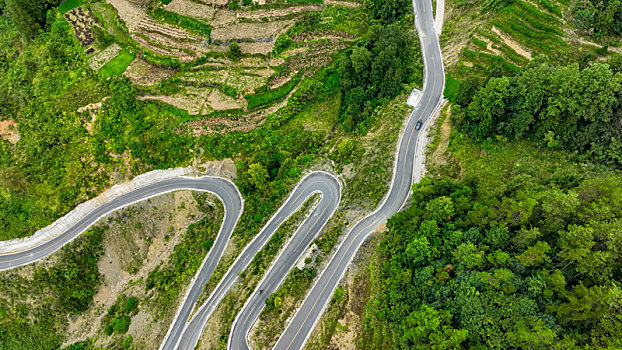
{"type": "Point", "coordinates": [418, 126]}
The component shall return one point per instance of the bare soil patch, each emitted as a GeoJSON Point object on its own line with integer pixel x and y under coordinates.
{"type": "Point", "coordinates": [215, 2]}
{"type": "Point", "coordinates": [511, 43]}
{"type": "Point", "coordinates": [243, 123]}
{"type": "Point", "coordinates": [275, 14]}
{"type": "Point", "coordinates": [101, 58]}
{"type": "Point", "coordinates": [145, 74]}
{"type": "Point", "coordinates": [92, 108]}
{"type": "Point", "coordinates": [257, 48]}
{"type": "Point", "coordinates": [192, 100]}
{"type": "Point", "coordinates": [489, 45]}
{"type": "Point", "coordinates": [252, 31]}
{"type": "Point", "coordinates": [169, 40]}
{"type": "Point", "coordinates": [129, 13]}
{"type": "Point", "coordinates": [192, 9]}
{"type": "Point", "coordinates": [219, 101]}
{"type": "Point", "coordinates": [8, 131]}
{"type": "Point", "coordinates": [138, 239]}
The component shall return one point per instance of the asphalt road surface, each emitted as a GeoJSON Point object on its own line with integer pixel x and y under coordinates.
{"type": "Point", "coordinates": [275, 275]}
{"type": "Point", "coordinates": [184, 334]}
{"type": "Point", "coordinates": [298, 330]}
{"type": "Point", "coordinates": [224, 189]}
{"type": "Point", "coordinates": [317, 182]}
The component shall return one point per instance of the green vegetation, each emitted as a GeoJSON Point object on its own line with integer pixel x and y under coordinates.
{"type": "Point", "coordinates": [265, 98]}
{"type": "Point", "coordinates": [67, 5]}
{"type": "Point", "coordinates": [506, 258]}
{"type": "Point", "coordinates": [29, 16]}
{"type": "Point", "coordinates": [372, 74]}
{"type": "Point", "coordinates": [119, 315]}
{"type": "Point", "coordinates": [66, 157]}
{"type": "Point", "coordinates": [502, 36]}
{"type": "Point", "coordinates": [602, 18]}
{"type": "Point", "coordinates": [568, 108]}
{"type": "Point", "coordinates": [55, 291]}
{"type": "Point", "coordinates": [331, 19]}
{"type": "Point", "coordinates": [452, 86]}
{"type": "Point", "coordinates": [189, 23]}
{"type": "Point", "coordinates": [235, 51]}
{"type": "Point", "coordinates": [388, 11]}
{"type": "Point", "coordinates": [168, 279]}
{"type": "Point", "coordinates": [511, 242]}
{"type": "Point", "coordinates": [117, 65]}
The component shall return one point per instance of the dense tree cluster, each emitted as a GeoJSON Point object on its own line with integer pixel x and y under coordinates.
{"type": "Point", "coordinates": [564, 107]}
{"type": "Point", "coordinates": [599, 17]}
{"type": "Point", "coordinates": [29, 16]}
{"type": "Point", "coordinates": [533, 265]}
{"type": "Point", "coordinates": [388, 11]}
{"type": "Point", "coordinates": [374, 71]}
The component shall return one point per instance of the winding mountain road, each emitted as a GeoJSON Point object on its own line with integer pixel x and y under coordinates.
{"type": "Point", "coordinates": [185, 331]}
{"type": "Point", "coordinates": [224, 189]}
{"type": "Point", "coordinates": [317, 182]}
{"type": "Point", "coordinates": [407, 170]}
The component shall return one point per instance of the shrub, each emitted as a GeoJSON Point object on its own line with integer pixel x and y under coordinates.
{"type": "Point", "coordinates": [121, 324]}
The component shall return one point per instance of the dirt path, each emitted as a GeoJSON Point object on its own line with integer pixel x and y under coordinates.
{"type": "Point", "coordinates": [591, 43]}
{"type": "Point", "coordinates": [509, 42]}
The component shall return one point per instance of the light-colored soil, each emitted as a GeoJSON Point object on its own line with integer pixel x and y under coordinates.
{"type": "Point", "coordinates": [274, 14]}
{"type": "Point", "coordinates": [244, 80]}
{"type": "Point", "coordinates": [193, 100]}
{"type": "Point", "coordinates": [591, 43]}
{"type": "Point", "coordinates": [219, 101]}
{"type": "Point", "coordinates": [8, 131]}
{"type": "Point", "coordinates": [342, 3]}
{"type": "Point", "coordinates": [256, 31]}
{"type": "Point", "coordinates": [511, 43]}
{"type": "Point", "coordinates": [244, 123]}
{"type": "Point", "coordinates": [169, 40]}
{"type": "Point", "coordinates": [224, 17]}
{"type": "Point", "coordinates": [216, 2]}
{"type": "Point", "coordinates": [192, 9]}
{"type": "Point", "coordinates": [130, 253]}
{"type": "Point", "coordinates": [130, 13]}
{"type": "Point", "coordinates": [145, 74]}
{"type": "Point", "coordinates": [257, 48]}
{"type": "Point", "coordinates": [438, 157]}
{"type": "Point", "coordinates": [200, 100]}
{"type": "Point", "coordinates": [93, 109]}
{"type": "Point", "coordinates": [489, 47]}
{"type": "Point", "coordinates": [101, 58]}
{"type": "Point", "coordinates": [224, 168]}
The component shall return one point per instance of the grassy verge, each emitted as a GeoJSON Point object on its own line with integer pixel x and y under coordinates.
{"type": "Point", "coordinates": [451, 87]}
{"type": "Point", "coordinates": [117, 65]}
{"type": "Point", "coordinates": [261, 99]}
{"type": "Point", "coordinates": [189, 23]}
{"type": "Point", "coordinates": [68, 5]}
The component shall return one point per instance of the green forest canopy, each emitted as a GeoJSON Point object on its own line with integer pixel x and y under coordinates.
{"type": "Point", "coordinates": [559, 107]}
{"type": "Point", "coordinates": [536, 265]}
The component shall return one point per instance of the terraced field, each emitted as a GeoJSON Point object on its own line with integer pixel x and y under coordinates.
{"type": "Point", "coordinates": [508, 38]}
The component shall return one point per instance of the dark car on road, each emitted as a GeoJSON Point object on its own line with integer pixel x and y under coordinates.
{"type": "Point", "coordinates": [418, 126]}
